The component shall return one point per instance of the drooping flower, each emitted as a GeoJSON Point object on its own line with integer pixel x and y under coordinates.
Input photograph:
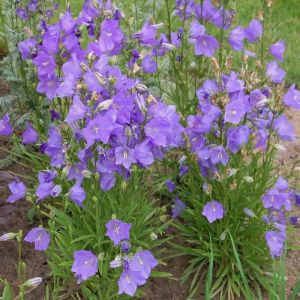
{"type": "Point", "coordinates": [149, 65]}
{"type": "Point", "coordinates": [18, 190]}
{"type": "Point", "coordinates": [26, 47]}
{"type": "Point", "coordinates": [117, 231]}
{"type": "Point", "coordinates": [22, 13]}
{"type": "Point", "coordinates": [253, 31]}
{"type": "Point", "coordinates": [204, 44]}
{"type": "Point", "coordinates": [275, 241]}
{"type": "Point", "coordinates": [5, 126]}
{"type": "Point", "coordinates": [272, 199]}
{"type": "Point", "coordinates": [275, 73]}
{"type": "Point", "coordinates": [170, 185]}
{"type": "Point", "coordinates": [111, 37]}
{"type": "Point", "coordinates": [237, 137]}
{"type": "Point", "coordinates": [85, 265]}
{"type": "Point", "coordinates": [277, 50]}
{"type": "Point", "coordinates": [213, 211]}
{"type": "Point", "coordinates": [236, 38]}
{"type": "Point", "coordinates": [143, 262]}
{"type": "Point", "coordinates": [147, 35]}
{"type": "Point", "coordinates": [218, 155]}
{"type": "Point", "coordinates": [178, 208]}
{"type": "Point", "coordinates": [99, 128]}
{"type": "Point", "coordinates": [30, 135]}
{"type": "Point", "coordinates": [77, 194]}
{"type": "Point", "coordinates": [130, 280]}
{"type": "Point", "coordinates": [281, 184]}
{"type": "Point", "coordinates": [77, 110]}
{"type": "Point", "coordinates": [292, 97]}
{"type": "Point", "coordinates": [284, 128]}
{"type": "Point", "coordinates": [40, 237]}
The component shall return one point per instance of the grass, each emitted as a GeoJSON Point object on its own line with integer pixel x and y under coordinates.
{"type": "Point", "coordinates": [283, 22]}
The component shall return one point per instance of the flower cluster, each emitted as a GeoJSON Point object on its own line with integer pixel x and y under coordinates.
{"type": "Point", "coordinates": [136, 267]}
{"type": "Point", "coordinates": [278, 200]}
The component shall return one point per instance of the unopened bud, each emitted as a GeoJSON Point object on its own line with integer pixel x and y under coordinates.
{"type": "Point", "coordinates": [108, 14]}
{"type": "Point", "coordinates": [168, 46]}
{"type": "Point", "coordinates": [116, 263]}
{"type": "Point", "coordinates": [269, 3]}
{"type": "Point", "coordinates": [215, 65]}
{"type": "Point", "coordinates": [141, 87]}
{"type": "Point", "coordinates": [100, 78]}
{"type": "Point", "coordinates": [153, 236]}
{"type": "Point", "coordinates": [87, 173]}
{"type": "Point", "coordinates": [104, 105]}
{"type": "Point", "coordinates": [249, 179]}
{"type": "Point", "coordinates": [34, 282]}
{"type": "Point", "coordinates": [8, 236]}
{"type": "Point", "coordinates": [83, 66]}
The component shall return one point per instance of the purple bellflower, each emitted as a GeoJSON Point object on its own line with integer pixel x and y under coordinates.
{"type": "Point", "coordinates": [18, 190]}
{"type": "Point", "coordinates": [85, 265]}
{"type": "Point", "coordinates": [30, 135]}
{"type": "Point", "coordinates": [40, 237]}
{"type": "Point", "coordinates": [118, 231]}
{"type": "Point", "coordinates": [213, 211]}
{"type": "Point", "coordinates": [5, 126]}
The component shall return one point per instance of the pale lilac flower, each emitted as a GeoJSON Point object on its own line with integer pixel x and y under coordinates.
{"type": "Point", "coordinates": [213, 211]}
{"type": "Point", "coordinates": [129, 281]}
{"type": "Point", "coordinates": [143, 262]}
{"type": "Point", "coordinates": [5, 126]}
{"type": "Point", "coordinates": [85, 265]}
{"type": "Point", "coordinates": [30, 135]}
{"type": "Point", "coordinates": [292, 97]}
{"type": "Point", "coordinates": [77, 110]}
{"type": "Point", "coordinates": [218, 155]}
{"type": "Point", "coordinates": [253, 31]}
{"type": "Point", "coordinates": [275, 73]}
{"type": "Point", "coordinates": [234, 112]}
{"type": "Point", "coordinates": [178, 208]}
{"type": "Point", "coordinates": [117, 231]}
{"type": "Point", "coordinates": [277, 50]}
{"type": "Point", "coordinates": [18, 190]}
{"type": "Point", "coordinates": [77, 194]}
{"type": "Point", "coordinates": [284, 128]}
{"type": "Point", "coordinates": [236, 38]}
{"type": "Point", "coordinates": [149, 65]}
{"type": "Point", "coordinates": [275, 241]}
{"type": "Point", "coordinates": [40, 237]}
{"type": "Point", "coordinates": [170, 185]}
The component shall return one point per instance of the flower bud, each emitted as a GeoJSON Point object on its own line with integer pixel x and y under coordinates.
{"type": "Point", "coordinates": [168, 46]}
{"type": "Point", "coordinates": [248, 179]}
{"type": "Point", "coordinates": [249, 212]}
{"type": "Point", "coordinates": [8, 236]}
{"type": "Point", "coordinates": [87, 173]}
{"type": "Point", "coordinates": [100, 78]}
{"type": "Point", "coordinates": [108, 14]}
{"type": "Point", "coordinates": [116, 263]}
{"type": "Point", "coordinates": [153, 236]}
{"type": "Point", "coordinates": [34, 282]}
{"type": "Point", "coordinates": [83, 66]}
{"type": "Point", "coordinates": [141, 87]}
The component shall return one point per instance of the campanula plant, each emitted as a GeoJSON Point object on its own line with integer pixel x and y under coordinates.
{"type": "Point", "coordinates": [201, 94]}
